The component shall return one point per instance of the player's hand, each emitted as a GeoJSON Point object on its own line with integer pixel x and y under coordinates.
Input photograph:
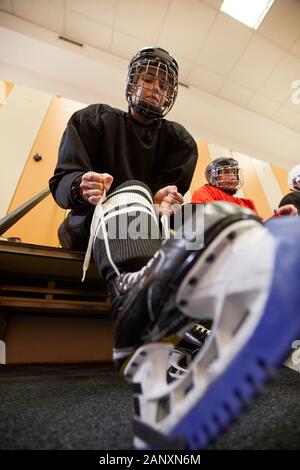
{"type": "Point", "coordinates": [288, 209]}
{"type": "Point", "coordinates": [93, 185]}
{"type": "Point", "coordinates": [167, 200]}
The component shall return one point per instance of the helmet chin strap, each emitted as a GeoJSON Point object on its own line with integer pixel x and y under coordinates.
{"type": "Point", "coordinates": [230, 191]}
{"type": "Point", "coordinates": [147, 110]}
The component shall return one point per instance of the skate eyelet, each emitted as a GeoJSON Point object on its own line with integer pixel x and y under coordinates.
{"type": "Point", "coordinates": [231, 236]}
{"type": "Point", "coordinates": [227, 408]}
{"type": "Point", "coordinates": [250, 380]}
{"type": "Point", "coordinates": [210, 258]}
{"type": "Point", "coordinates": [262, 363]}
{"type": "Point", "coordinates": [193, 281]}
{"type": "Point", "coordinates": [238, 395]}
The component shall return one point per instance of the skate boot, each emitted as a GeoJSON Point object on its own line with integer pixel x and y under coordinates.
{"type": "Point", "coordinates": [246, 281]}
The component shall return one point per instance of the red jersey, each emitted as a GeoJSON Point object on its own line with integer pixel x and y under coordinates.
{"type": "Point", "coordinates": [208, 193]}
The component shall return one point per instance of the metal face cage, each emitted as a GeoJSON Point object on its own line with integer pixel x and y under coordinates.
{"type": "Point", "coordinates": [152, 83]}
{"type": "Point", "coordinates": [227, 177]}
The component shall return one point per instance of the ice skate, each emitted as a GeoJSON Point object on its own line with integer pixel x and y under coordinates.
{"type": "Point", "coordinates": [246, 281]}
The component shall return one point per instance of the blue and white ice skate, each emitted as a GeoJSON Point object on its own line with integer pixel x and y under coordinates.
{"type": "Point", "coordinates": [247, 282]}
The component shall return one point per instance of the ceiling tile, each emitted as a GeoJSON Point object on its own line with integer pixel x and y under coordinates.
{"type": "Point", "coordinates": [287, 117]}
{"type": "Point", "coordinates": [100, 10]}
{"type": "Point", "coordinates": [279, 85]}
{"type": "Point", "coordinates": [256, 63]}
{"type": "Point", "coordinates": [204, 79]}
{"type": "Point", "coordinates": [185, 27]}
{"type": "Point", "coordinates": [125, 46]}
{"type": "Point", "coordinates": [6, 5]}
{"type": "Point", "coordinates": [141, 18]}
{"type": "Point", "coordinates": [85, 30]}
{"type": "Point", "coordinates": [47, 13]}
{"type": "Point", "coordinates": [184, 69]}
{"type": "Point", "coordinates": [262, 105]}
{"type": "Point", "coordinates": [235, 93]}
{"type": "Point", "coordinates": [297, 128]}
{"type": "Point", "coordinates": [296, 48]}
{"type": "Point", "coordinates": [282, 23]}
{"type": "Point", "coordinates": [213, 3]}
{"type": "Point", "coordinates": [293, 101]}
{"type": "Point", "coordinates": [224, 44]}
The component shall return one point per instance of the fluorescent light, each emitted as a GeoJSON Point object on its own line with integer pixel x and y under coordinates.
{"type": "Point", "coordinates": [249, 12]}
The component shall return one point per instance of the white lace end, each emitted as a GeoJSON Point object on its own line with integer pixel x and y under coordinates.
{"type": "Point", "coordinates": [165, 223]}
{"type": "Point", "coordinates": [83, 275]}
{"type": "Point", "coordinates": [93, 228]}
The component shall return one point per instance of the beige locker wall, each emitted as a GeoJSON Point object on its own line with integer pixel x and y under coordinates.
{"type": "Point", "coordinates": [20, 120]}
{"type": "Point", "coordinates": [40, 225]}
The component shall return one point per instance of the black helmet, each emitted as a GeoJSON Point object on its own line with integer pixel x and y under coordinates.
{"type": "Point", "coordinates": [215, 174]}
{"type": "Point", "coordinates": [152, 62]}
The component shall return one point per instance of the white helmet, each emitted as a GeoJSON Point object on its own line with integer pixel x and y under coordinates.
{"type": "Point", "coordinates": [294, 178]}
{"type": "Point", "coordinates": [225, 173]}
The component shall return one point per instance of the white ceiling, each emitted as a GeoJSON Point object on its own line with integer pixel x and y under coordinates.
{"type": "Point", "coordinates": [217, 55]}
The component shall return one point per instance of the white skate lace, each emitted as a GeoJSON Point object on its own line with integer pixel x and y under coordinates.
{"type": "Point", "coordinates": [96, 220]}
{"type": "Point", "coordinates": [165, 223]}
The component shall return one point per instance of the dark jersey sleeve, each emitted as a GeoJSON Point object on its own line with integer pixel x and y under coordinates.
{"type": "Point", "coordinates": [73, 162]}
{"type": "Point", "coordinates": [291, 198]}
{"type": "Point", "coordinates": [179, 162]}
